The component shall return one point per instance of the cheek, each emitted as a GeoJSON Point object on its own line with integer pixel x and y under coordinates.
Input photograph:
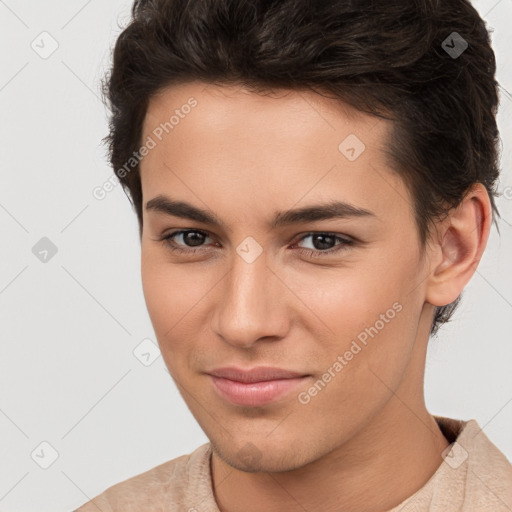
{"type": "Point", "coordinates": [172, 296]}
{"type": "Point", "coordinates": [372, 345]}
{"type": "Point", "coordinates": [347, 299]}
{"type": "Point", "coordinates": [369, 317]}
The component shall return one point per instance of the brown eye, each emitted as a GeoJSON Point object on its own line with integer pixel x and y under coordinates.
{"type": "Point", "coordinates": [324, 244]}
{"type": "Point", "coordinates": [191, 238]}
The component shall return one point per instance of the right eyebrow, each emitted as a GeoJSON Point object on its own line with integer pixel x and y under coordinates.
{"type": "Point", "coordinates": [168, 206]}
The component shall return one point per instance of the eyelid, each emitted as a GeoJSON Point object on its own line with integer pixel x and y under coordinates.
{"type": "Point", "coordinates": [344, 237]}
{"type": "Point", "coordinates": [297, 238]}
{"type": "Point", "coordinates": [166, 237]}
{"type": "Point", "coordinates": [346, 242]}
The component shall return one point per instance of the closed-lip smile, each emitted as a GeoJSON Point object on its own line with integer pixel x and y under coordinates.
{"type": "Point", "coordinates": [255, 386]}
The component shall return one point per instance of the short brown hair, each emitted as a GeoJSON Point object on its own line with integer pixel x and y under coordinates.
{"type": "Point", "coordinates": [390, 58]}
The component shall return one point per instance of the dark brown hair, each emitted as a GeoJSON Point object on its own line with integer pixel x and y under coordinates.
{"type": "Point", "coordinates": [395, 59]}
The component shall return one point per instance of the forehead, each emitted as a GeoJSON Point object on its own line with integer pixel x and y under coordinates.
{"type": "Point", "coordinates": [281, 147]}
{"type": "Point", "coordinates": [281, 112]}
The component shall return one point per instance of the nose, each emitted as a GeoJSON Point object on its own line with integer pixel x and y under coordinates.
{"type": "Point", "coordinates": [251, 304]}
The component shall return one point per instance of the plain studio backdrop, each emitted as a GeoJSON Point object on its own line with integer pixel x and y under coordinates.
{"type": "Point", "coordinates": [81, 407]}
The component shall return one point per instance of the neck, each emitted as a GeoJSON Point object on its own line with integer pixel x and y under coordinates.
{"type": "Point", "coordinates": [385, 463]}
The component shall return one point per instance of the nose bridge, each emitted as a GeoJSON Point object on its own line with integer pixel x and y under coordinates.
{"type": "Point", "coordinates": [247, 309]}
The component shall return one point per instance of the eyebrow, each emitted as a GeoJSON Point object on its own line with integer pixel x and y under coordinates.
{"type": "Point", "coordinates": [331, 210]}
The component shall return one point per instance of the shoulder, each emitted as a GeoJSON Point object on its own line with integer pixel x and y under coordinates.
{"type": "Point", "coordinates": [484, 470]}
{"type": "Point", "coordinates": [489, 478]}
{"type": "Point", "coordinates": [167, 484]}
{"type": "Point", "coordinates": [474, 475]}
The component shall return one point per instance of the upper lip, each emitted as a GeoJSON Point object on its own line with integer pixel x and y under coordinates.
{"type": "Point", "coordinates": [258, 374]}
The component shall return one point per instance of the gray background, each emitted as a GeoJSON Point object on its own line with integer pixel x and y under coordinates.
{"type": "Point", "coordinates": [70, 325]}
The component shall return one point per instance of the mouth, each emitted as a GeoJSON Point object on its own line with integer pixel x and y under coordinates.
{"type": "Point", "coordinates": [255, 387]}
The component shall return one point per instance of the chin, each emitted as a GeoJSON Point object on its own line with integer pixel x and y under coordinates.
{"type": "Point", "coordinates": [253, 459]}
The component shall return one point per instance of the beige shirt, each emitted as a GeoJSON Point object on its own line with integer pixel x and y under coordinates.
{"type": "Point", "coordinates": [473, 477]}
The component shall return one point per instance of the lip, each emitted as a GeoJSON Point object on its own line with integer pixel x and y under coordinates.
{"type": "Point", "coordinates": [256, 386]}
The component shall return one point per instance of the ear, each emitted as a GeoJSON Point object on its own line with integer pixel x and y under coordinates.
{"type": "Point", "coordinates": [458, 247]}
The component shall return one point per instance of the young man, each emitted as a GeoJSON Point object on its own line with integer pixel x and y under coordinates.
{"type": "Point", "coordinates": [314, 183]}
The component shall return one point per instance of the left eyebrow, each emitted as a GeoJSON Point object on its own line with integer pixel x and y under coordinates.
{"type": "Point", "coordinates": [331, 210]}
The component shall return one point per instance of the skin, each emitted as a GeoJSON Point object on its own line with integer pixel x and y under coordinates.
{"type": "Point", "coordinates": [366, 438]}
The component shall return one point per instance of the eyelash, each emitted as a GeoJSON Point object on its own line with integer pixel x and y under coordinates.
{"type": "Point", "coordinates": [343, 246]}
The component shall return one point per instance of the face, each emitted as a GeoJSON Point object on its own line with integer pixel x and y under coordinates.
{"type": "Point", "coordinates": [335, 297]}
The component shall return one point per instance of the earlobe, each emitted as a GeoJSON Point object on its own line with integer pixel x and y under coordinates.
{"type": "Point", "coordinates": [463, 236]}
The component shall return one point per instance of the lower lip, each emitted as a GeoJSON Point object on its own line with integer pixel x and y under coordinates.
{"type": "Point", "coordinates": [254, 393]}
